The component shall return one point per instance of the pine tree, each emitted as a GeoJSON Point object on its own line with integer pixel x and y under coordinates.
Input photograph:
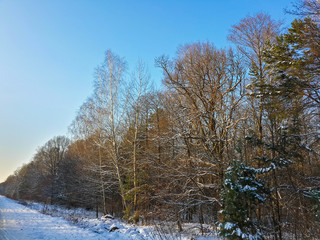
{"type": "Point", "coordinates": [242, 192]}
{"type": "Point", "coordinates": [294, 59]}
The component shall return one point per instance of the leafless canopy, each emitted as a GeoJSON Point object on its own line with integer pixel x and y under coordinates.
{"type": "Point", "coordinates": [310, 8]}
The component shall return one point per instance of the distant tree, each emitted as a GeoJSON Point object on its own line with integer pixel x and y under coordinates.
{"type": "Point", "coordinates": [49, 156]}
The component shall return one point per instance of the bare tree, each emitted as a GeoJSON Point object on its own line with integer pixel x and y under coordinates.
{"type": "Point", "coordinates": [49, 156]}
{"type": "Point", "coordinates": [307, 8]}
{"type": "Point", "coordinates": [110, 101]}
{"type": "Point", "coordinates": [140, 87]}
{"type": "Point", "coordinates": [102, 117]}
{"type": "Point", "coordinates": [206, 85]}
{"type": "Point", "coordinates": [251, 36]}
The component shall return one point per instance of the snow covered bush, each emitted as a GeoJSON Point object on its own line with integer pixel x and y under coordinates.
{"type": "Point", "coordinates": [242, 191]}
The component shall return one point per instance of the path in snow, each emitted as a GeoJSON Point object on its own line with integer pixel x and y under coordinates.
{"type": "Point", "coordinates": [18, 222]}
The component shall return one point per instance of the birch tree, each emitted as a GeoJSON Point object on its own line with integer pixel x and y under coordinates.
{"type": "Point", "coordinates": [139, 88]}
{"type": "Point", "coordinates": [110, 101]}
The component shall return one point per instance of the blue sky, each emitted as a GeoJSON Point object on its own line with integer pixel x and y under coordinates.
{"type": "Point", "coordinates": [49, 50]}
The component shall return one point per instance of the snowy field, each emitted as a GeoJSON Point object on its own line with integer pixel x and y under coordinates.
{"type": "Point", "coordinates": [19, 222]}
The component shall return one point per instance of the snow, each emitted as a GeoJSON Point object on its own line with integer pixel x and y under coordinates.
{"type": "Point", "coordinates": [248, 188]}
{"type": "Point", "coordinates": [19, 222]}
{"type": "Point", "coordinates": [228, 225]}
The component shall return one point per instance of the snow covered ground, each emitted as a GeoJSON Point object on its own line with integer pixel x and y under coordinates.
{"type": "Point", "coordinates": [19, 222]}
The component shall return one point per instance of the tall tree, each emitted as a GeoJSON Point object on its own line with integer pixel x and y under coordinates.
{"type": "Point", "coordinates": [251, 36]}
{"type": "Point", "coordinates": [293, 62]}
{"type": "Point", "coordinates": [136, 113]}
{"type": "Point", "coordinates": [206, 86]}
{"type": "Point", "coordinates": [102, 117]}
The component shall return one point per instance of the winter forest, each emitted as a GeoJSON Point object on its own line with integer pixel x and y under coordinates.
{"type": "Point", "coordinates": [231, 140]}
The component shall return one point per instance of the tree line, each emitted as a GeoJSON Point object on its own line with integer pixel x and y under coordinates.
{"type": "Point", "coordinates": [231, 140]}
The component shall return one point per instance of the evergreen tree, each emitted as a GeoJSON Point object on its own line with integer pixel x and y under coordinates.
{"type": "Point", "coordinates": [294, 60]}
{"type": "Point", "coordinates": [241, 194]}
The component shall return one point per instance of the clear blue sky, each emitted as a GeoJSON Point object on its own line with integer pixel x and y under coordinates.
{"type": "Point", "coordinates": [50, 48]}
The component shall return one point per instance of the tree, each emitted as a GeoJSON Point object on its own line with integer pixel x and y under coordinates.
{"type": "Point", "coordinates": [293, 107]}
{"type": "Point", "coordinates": [205, 85]}
{"type": "Point", "coordinates": [102, 119]}
{"type": "Point", "coordinates": [140, 88]}
{"type": "Point", "coordinates": [241, 193]}
{"type": "Point", "coordinates": [49, 156]}
{"type": "Point", "coordinates": [310, 8]}
{"type": "Point", "coordinates": [251, 36]}
{"type": "Point", "coordinates": [295, 60]}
